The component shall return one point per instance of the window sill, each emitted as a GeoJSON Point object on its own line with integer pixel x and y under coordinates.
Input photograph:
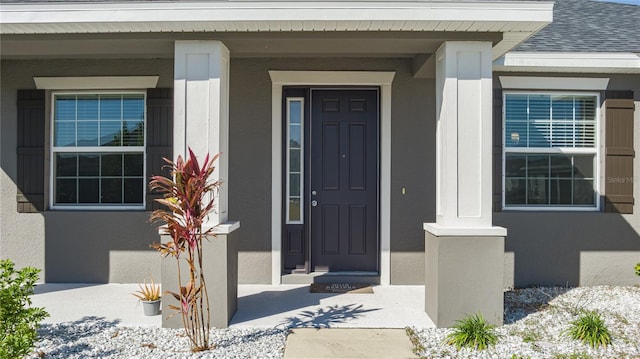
{"type": "Point", "coordinates": [98, 208]}
{"type": "Point", "coordinates": [551, 209]}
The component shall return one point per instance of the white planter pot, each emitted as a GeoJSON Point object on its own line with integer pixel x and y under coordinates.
{"type": "Point", "coordinates": [151, 307]}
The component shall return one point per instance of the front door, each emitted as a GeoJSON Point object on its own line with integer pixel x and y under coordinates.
{"type": "Point", "coordinates": [343, 191]}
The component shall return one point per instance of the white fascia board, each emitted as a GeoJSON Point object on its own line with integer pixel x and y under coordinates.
{"type": "Point", "coordinates": [121, 16]}
{"type": "Point", "coordinates": [96, 82]}
{"type": "Point", "coordinates": [576, 62]}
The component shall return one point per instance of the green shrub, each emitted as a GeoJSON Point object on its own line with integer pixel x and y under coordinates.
{"type": "Point", "coordinates": [590, 329]}
{"type": "Point", "coordinates": [18, 322]}
{"type": "Point", "coordinates": [638, 269]}
{"type": "Point", "coordinates": [473, 332]}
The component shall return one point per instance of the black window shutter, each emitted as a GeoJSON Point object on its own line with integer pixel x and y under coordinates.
{"type": "Point", "coordinates": [30, 151]}
{"type": "Point", "coordinates": [619, 153]}
{"type": "Point", "coordinates": [159, 136]}
{"type": "Point", "coordinates": [497, 150]}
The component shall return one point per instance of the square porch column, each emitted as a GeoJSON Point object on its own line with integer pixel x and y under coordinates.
{"type": "Point", "coordinates": [201, 108]}
{"type": "Point", "coordinates": [201, 122]}
{"type": "Point", "coordinates": [464, 251]}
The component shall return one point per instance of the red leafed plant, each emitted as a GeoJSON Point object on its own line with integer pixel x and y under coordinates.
{"type": "Point", "coordinates": [189, 198]}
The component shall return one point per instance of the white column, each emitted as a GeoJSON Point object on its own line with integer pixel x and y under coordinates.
{"type": "Point", "coordinates": [201, 107]}
{"type": "Point", "coordinates": [463, 135]}
{"type": "Point", "coordinates": [464, 253]}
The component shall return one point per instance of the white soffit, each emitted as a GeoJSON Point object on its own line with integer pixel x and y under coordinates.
{"type": "Point", "coordinates": [577, 62]}
{"type": "Point", "coordinates": [553, 83]}
{"type": "Point", "coordinates": [96, 82]}
{"type": "Point", "coordinates": [523, 17]}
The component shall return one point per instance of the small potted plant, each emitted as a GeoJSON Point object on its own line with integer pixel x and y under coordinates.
{"type": "Point", "coordinates": [149, 294]}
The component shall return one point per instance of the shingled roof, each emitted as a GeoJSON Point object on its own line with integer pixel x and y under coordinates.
{"type": "Point", "coordinates": [588, 26]}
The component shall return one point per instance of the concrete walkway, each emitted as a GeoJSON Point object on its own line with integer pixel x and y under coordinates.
{"type": "Point", "coordinates": [259, 306]}
{"type": "Point", "coordinates": [348, 343]}
{"type": "Point", "coordinates": [362, 325]}
{"type": "Point", "coordinates": [266, 306]}
{"type": "Point", "coordinates": [77, 302]}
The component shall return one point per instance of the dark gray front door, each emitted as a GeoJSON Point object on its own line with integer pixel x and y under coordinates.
{"type": "Point", "coordinates": [344, 180]}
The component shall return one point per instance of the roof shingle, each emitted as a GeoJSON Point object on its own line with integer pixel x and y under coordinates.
{"type": "Point", "coordinates": [588, 26]}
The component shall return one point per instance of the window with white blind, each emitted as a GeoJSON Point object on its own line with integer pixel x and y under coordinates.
{"type": "Point", "coordinates": [550, 151]}
{"type": "Point", "coordinates": [97, 146]}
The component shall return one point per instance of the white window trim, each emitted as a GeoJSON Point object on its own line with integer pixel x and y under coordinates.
{"type": "Point", "coordinates": [96, 83]}
{"type": "Point", "coordinates": [52, 173]}
{"type": "Point", "coordinates": [564, 150]}
{"type": "Point", "coordinates": [279, 79]}
{"type": "Point", "coordinates": [532, 83]}
{"type": "Point", "coordinates": [288, 156]}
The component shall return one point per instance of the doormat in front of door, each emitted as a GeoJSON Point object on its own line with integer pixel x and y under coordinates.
{"type": "Point", "coordinates": [339, 288]}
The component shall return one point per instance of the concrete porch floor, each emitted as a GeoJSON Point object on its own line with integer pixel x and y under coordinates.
{"type": "Point", "coordinates": [259, 306]}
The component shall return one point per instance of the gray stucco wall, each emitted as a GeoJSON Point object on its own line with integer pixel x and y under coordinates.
{"type": "Point", "coordinates": [541, 248]}
{"type": "Point", "coordinates": [80, 246]}
{"type": "Point", "coordinates": [575, 248]}
{"type": "Point", "coordinates": [72, 246]}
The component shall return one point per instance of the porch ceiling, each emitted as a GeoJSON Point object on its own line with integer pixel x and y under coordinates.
{"type": "Point", "coordinates": [274, 44]}
{"type": "Point", "coordinates": [338, 28]}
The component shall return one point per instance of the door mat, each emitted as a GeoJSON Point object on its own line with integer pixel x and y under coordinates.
{"type": "Point", "coordinates": [338, 288]}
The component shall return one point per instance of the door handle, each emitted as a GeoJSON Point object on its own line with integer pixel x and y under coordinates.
{"type": "Point", "coordinates": [314, 203]}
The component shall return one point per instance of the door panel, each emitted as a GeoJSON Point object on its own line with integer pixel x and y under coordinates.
{"type": "Point", "coordinates": [357, 229]}
{"type": "Point", "coordinates": [330, 156]}
{"type": "Point", "coordinates": [358, 157]}
{"type": "Point", "coordinates": [330, 229]}
{"type": "Point", "coordinates": [344, 177]}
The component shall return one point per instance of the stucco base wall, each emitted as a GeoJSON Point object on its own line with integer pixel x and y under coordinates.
{"type": "Point", "coordinates": [220, 268]}
{"type": "Point", "coordinates": [570, 249]}
{"type": "Point", "coordinates": [99, 247]}
{"type": "Point", "coordinates": [406, 268]}
{"type": "Point", "coordinates": [463, 276]}
{"type": "Point", "coordinates": [255, 266]}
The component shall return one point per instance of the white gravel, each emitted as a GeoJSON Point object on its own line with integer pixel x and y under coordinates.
{"type": "Point", "coordinates": [536, 320]}
{"type": "Point", "coordinates": [97, 338]}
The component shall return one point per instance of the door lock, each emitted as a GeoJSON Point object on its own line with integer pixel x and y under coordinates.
{"type": "Point", "coordinates": [314, 203]}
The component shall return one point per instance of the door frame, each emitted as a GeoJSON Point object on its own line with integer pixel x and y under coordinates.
{"type": "Point", "coordinates": [280, 79]}
{"type": "Point", "coordinates": [302, 229]}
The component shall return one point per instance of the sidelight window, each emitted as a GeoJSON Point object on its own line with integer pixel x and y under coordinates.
{"type": "Point", "coordinates": [295, 160]}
